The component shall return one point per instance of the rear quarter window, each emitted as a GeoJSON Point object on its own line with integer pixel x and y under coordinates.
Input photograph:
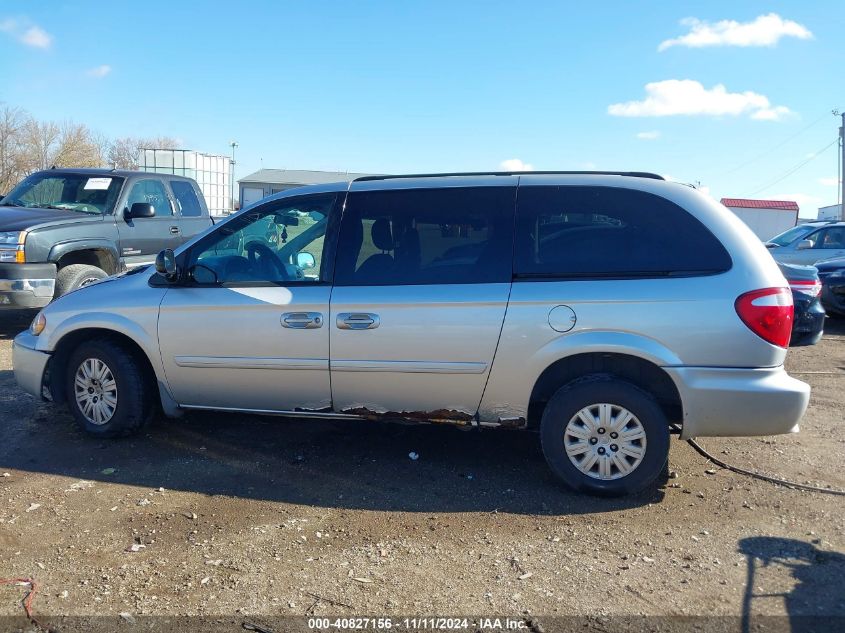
{"type": "Point", "coordinates": [186, 198]}
{"type": "Point", "coordinates": [573, 231]}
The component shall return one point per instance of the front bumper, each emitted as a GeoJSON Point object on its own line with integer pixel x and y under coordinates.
{"type": "Point", "coordinates": [29, 364]}
{"type": "Point", "coordinates": [27, 285]}
{"type": "Point", "coordinates": [737, 402]}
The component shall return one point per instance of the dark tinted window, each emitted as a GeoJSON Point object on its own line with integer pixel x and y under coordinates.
{"type": "Point", "coordinates": [186, 198]}
{"type": "Point", "coordinates": [426, 236]}
{"type": "Point", "coordinates": [605, 231]}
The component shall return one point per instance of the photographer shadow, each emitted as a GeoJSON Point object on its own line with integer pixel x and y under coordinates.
{"type": "Point", "coordinates": [817, 601]}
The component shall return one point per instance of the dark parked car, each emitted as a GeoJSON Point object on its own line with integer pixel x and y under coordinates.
{"type": "Point", "coordinates": [832, 275]}
{"type": "Point", "coordinates": [809, 313]}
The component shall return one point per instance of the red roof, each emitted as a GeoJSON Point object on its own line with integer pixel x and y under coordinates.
{"type": "Point", "coordinates": [744, 203]}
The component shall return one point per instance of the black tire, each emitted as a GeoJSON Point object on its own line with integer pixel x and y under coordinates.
{"type": "Point", "coordinates": [75, 276]}
{"type": "Point", "coordinates": [571, 399]}
{"type": "Point", "coordinates": [134, 402]}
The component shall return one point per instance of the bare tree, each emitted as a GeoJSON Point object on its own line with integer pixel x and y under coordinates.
{"type": "Point", "coordinates": [12, 165]}
{"type": "Point", "coordinates": [76, 146]}
{"type": "Point", "coordinates": [124, 152]}
{"type": "Point", "coordinates": [27, 145]}
{"type": "Point", "coordinates": [39, 144]}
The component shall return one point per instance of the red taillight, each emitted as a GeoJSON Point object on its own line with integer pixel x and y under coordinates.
{"type": "Point", "coordinates": [768, 313]}
{"type": "Point", "coordinates": [810, 287]}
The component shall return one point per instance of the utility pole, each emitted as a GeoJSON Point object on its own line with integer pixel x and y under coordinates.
{"type": "Point", "coordinates": [233, 145]}
{"type": "Point", "coordinates": [841, 192]}
{"type": "Point", "coordinates": [842, 165]}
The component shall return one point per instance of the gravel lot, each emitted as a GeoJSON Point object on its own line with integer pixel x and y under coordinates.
{"type": "Point", "coordinates": [248, 519]}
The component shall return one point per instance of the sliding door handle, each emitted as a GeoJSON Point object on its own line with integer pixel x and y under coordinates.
{"type": "Point", "coordinates": [357, 321]}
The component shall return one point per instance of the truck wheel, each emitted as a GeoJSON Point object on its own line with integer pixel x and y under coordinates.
{"type": "Point", "coordinates": [106, 389]}
{"type": "Point", "coordinates": [605, 437]}
{"type": "Point", "coordinates": [77, 276]}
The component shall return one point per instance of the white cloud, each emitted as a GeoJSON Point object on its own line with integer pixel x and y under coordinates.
{"type": "Point", "coordinates": [648, 136]}
{"type": "Point", "coordinates": [688, 97]}
{"type": "Point", "coordinates": [829, 182]}
{"type": "Point", "coordinates": [99, 71]}
{"type": "Point", "coordinates": [37, 37]}
{"type": "Point", "coordinates": [26, 32]}
{"type": "Point", "coordinates": [765, 30]}
{"type": "Point", "coordinates": [515, 164]}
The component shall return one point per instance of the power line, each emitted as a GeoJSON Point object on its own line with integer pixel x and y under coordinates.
{"type": "Point", "coordinates": [778, 146]}
{"type": "Point", "coordinates": [792, 170]}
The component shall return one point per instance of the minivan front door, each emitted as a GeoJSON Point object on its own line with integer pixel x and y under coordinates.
{"type": "Point", "coordinates": [422, 278]}
{"type": "Point", "coordinates": [248, 330]}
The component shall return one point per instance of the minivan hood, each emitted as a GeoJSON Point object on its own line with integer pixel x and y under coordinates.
{"type": "Point", "coordinates": [23, 218]}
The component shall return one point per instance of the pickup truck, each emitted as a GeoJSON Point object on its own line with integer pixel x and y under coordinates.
{"type": "Point", "coordinates": [62, 229]}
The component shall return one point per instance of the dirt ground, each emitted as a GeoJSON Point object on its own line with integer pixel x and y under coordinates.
{"type": "Point", "coordinates": [247, 519]}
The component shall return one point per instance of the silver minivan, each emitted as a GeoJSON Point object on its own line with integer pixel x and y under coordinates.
{"type": "Point", "coordinates": [603, 310]}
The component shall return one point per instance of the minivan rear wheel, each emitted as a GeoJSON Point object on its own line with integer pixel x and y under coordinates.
{"type": "Point", "coordinates": [604, 436]}
{"type": "Point", "coordinates": [106, 390]}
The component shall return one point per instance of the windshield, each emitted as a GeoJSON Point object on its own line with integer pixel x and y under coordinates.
{"type": "Point", "coordinates": [787, 237]}
{"type": "Point", "coordinates": [73, 192]}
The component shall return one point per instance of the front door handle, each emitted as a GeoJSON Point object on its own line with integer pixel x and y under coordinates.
{"type": "Point", "coordinates": [302, 320]}
{"type": "Point", "coordinates": [174, 230]}
{"type": "Point", "coordinates": [357, 321]}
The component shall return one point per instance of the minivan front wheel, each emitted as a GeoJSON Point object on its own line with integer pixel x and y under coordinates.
{"type": "Point", "coordinates": [605, 436]}
{"type": "Point", "coordinates": [106, 390]}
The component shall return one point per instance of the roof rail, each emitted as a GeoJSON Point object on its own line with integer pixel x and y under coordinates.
{"type": "Point", "coordinates": [631, 174]}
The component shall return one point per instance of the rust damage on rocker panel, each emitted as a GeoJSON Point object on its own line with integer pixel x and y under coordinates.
{"type": "Point", "coordinates": [438, 416]}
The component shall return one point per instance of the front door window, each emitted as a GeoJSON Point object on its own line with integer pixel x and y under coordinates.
{"type": "Point", "coordinates": [273, 244]}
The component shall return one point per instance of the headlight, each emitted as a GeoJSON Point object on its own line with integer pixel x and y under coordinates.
{"type": "Point", "coordinates": [38, 324]}
{"type": "Point", "coordinates": [11, 247]}
{"type": "Point", "coordinates": [12, 237]}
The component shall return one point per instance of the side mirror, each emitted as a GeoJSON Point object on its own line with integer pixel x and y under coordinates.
{"type": "Point", "coordinates": [804, 244]}
{"type": "Point", "coordinates": [166, 264]}
{"type": "Point", "coordinates": [140, 210]}
{"type": "Point", "coordinates": [305, 260]}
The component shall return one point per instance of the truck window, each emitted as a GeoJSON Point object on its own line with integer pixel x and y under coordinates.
{"type": "Point", "coordinates": [186, 199]}
{"type": "Point", "coordinates": [151, 192]}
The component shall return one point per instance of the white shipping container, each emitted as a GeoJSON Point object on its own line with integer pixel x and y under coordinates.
{"type": "Point", "coordinates": [212, 173]}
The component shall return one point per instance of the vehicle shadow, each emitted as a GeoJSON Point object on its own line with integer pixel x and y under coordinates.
{"type": "Point", "coordinates": [816, 603]}
{"type": "Point", "coordinates": [339, 464]}
{"type": "Point", "coordinates": [834, 325]}
{"type": "Point", "coordinates": [13, 322]}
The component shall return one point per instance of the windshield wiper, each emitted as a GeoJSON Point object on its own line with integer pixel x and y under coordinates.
{"type": "Point", "coordinates": [9, 204]}
{"type": "Point", "coordinates": [53, 206]}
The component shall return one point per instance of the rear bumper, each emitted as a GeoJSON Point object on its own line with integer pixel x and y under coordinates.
{"type": "Point", "coordinates": [27, 285]}
{"type": "Point", "coordinates": [29, 364]}
{"type": "Point", "coordinates": [735, 402]}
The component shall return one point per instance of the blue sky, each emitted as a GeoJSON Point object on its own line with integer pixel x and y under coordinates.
{"type": "Point", "coordinates": [453, 86]}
